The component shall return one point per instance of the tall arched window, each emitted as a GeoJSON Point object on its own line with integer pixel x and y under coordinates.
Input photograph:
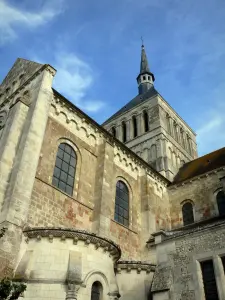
{"type": "Point", "coordinates": [188, 215]}
{"type": "Point", "coordinates": [145, 120]}
{"type": "Point", "coordinates": [134, 121]}
{"type": "Point", "coordinates": [114, 131]}
{"type": "Point", "coordinates": [124, 132]}
{"type": "Point", "coordinates": [220, 198]}
{"type": "Point", "coordinates": [122, 203]}
{"type": "Point", "coordinates": [65, 166]}
{"type": "Point", "coordinates": [96, 291]}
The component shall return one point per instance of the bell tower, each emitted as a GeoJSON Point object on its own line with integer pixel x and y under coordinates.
{"type": "Point", "coordinates": [152, 129]}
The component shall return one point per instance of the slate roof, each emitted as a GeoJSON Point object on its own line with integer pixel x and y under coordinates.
{"type": "Point", "coordinates": [144, 61]}
{"type": "Point", "coordinates": [201, 165]}
{"type": "Point", "coordinates": [134, 102]}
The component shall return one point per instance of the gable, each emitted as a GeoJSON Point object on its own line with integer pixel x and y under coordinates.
{"type": "Point", "coordinates": [21, 67]}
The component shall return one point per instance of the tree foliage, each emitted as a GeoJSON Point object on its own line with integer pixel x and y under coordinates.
{"type": "Point", "coordinates": [11, 290]}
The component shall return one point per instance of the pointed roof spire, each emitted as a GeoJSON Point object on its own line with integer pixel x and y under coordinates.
{"type": "Point", "coordinates": [144, 61]}
{"type": "Point", "coordinates": [145, 78]}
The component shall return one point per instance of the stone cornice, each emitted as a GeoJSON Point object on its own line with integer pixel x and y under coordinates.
{"type": "Point", "coordinates": [204, 225]}
{"type": "Point", "coordinates": [139, 266]}
{"type": "Point", "coordinates": [76, 235]}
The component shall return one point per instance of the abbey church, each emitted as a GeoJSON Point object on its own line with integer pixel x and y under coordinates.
{"type": "Point", "coordinates": [123, 210]}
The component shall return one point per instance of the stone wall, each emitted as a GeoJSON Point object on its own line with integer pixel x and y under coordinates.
{"type": "Point", "coordinates": [100, 164]}
{"type": "Point", "coordinates": [63, 264]}
{"type": "Point", "coordinates": [201, 192]}
{"type": "Point", "coordinates": [178, 256]}
{"type": "Point", "coordinates": [27, 107]}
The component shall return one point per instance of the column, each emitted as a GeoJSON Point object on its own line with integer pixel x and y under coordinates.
{"type": "Point", "coordinates": [105, 188]}
{"type": "Point", "coordinates": [18, 192]}
{"type": "Point", "coordinates": [128, 124]}
{"type": "Point", "coordinates": [171, 127]}
{"type": "Point", "coordinates": [119, 132]}
{"type": "Point", "coordinates": [139, 124]}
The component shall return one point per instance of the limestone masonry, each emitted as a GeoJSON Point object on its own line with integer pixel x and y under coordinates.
{"type": "Point", "coordinates": [95, 212]}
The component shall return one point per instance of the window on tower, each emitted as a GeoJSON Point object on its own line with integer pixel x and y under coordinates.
{"type": "Point", "coordinates": [146, 122]}
{"type": "Point", "coordinates": [134, 121]}
{"type": "Point", "coordinates": [124, 132]}
{"type": "Point", "coordinates": [144, 78]}
{"type": "Point", "coordinates": [114, 131]}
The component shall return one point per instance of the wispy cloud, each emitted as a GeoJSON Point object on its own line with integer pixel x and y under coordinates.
{"type": "Point", "coordinates": [11, 16]}
{"type": "Point", "coordinates": [74, 79]}
{"type": "Point", "coordinates": [211, 134]}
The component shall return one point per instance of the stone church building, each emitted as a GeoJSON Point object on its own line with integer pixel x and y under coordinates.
{"type": "Point", "coordinates": [124, 210]}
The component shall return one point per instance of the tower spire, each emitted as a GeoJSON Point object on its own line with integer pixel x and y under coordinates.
{"type": "Point", "coordinates": [145, 78]}
{"type": "Point", "coordinates": [144, 61]}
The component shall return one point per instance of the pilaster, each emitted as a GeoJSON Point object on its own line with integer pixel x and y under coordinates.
{"type": "Point", "coordinates": [104, 189]}
{"type": "Point", "coordinates": [18, 191]}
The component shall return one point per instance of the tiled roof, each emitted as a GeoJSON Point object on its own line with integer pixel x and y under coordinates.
{"type": "Point", "coordinates": [201, 165]}
{"type": "Point", "coordinates": [134, 102]}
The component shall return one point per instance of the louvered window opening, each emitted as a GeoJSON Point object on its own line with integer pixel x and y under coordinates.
{"type": "Point", "coordinates": [122, 204]}
{"type": "Point", "coordinates": [188, 215]}
{"type": "Point", "coordinates": [64, 171]}
{"type": "Point", "coordinates": [124, 131]}
{"type": "Point", "coordinates": [209, 280]}
{"type": "Point", "coordinates": [134, 126]}
{"type": "Point", "coordinates": [146, 124]}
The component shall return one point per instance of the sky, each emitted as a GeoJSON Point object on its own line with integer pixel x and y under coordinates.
{"type": "Point", "coordinates": [95, 47]}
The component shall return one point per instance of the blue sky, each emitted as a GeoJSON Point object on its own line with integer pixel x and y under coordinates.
{"type": "Point", "coordinates": [95, 47]}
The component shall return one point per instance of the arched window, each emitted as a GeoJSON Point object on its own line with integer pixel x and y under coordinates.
{"type": "Point", "coordinates": [188, 215]}
{"type": "Point", "coordinates": [145, 119]}
{"type": "Point", "coordinates": [114, 131]}
{"type": "Point", "coordinates": [122, 203]}
{"type": "Point", "coordinates": [96, 291]}
{"type": "Point", "coordinates": [220, 198]}
{"type": "Point", "coordinates": [65, 166]}
{"type": "Point", "coordinates": [124, 132]}
{"type": "Point", "coordinates": [134, 121]}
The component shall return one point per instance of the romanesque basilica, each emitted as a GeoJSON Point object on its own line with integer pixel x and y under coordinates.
{"type": "Point", "coordinates": [123, 210]}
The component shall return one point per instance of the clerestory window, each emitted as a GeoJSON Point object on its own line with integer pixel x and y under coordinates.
{"type": "Point", "coordinates": [122, 203]}
{"type": "Point", "coordinates": [65, 168]}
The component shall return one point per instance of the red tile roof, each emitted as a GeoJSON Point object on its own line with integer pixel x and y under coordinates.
{"type": "Point", "coordinates": [201, 165]}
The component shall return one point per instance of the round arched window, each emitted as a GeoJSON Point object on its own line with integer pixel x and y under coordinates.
{"type": "Point", "coordinates": [96, 291]}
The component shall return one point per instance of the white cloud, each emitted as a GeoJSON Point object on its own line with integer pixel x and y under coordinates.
{"type": "Point", "coordinates": [211, 133]}
{"type": "Point", "coordinates": [74, 78]}
{"type": "Point", "coordinates": [11, 16]}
